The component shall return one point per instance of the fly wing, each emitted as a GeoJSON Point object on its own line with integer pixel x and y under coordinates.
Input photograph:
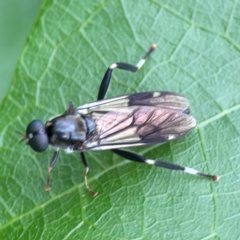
{"type": "Point", "coordinates": [137, 125]}
{"type": "Point", "coordinates": [168, 100]}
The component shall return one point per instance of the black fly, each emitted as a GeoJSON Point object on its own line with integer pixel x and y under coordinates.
{"type": "Point", "coordinates": [125, 121]}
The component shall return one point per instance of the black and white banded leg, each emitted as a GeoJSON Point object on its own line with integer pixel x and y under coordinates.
{"type": "Point", "coordinates": [137, 158]}
{"type": "Point", "coordinates": [124, 66]}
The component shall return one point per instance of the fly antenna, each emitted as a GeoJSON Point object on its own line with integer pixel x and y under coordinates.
{"type": "Point", "coordinates": [24, 137]}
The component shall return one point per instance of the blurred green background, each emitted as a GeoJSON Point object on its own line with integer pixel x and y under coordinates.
{"type": "Point", "coordinates": [16, 20]}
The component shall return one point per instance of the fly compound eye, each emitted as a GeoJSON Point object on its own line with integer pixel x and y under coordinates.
{"type": "Point", "coordinates": [37, 137]}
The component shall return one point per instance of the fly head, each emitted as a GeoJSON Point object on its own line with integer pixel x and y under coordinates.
{"type": "Point", "coordinates": [36, 136]}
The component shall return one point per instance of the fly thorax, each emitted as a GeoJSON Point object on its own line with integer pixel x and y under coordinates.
{"type": "Point", "coordinates": [67, 130]}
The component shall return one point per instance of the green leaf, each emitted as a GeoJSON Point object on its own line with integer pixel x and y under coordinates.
{"type": "Point", "coordinates": [64, 58]}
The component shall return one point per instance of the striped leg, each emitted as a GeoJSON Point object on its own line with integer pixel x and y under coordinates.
{"type": "Point", "coordinates": [137, 158]}
{"type": "Point", "coordinates": [125, 66]}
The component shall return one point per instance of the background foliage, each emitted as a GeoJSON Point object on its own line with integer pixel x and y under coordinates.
{"type": "Point", "coordinates": [64, 58]}
{"type": "Point", "coordinates": [16, 19]}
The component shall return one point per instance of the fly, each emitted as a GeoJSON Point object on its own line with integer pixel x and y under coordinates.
{"type": "Point", "coordinates": [126, 121]}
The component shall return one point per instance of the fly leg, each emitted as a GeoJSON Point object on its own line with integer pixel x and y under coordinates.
{"type": "Point", "coordinates": [93, 193]}
{"type": "Point", "coordinates": [51, 165]}
{"type": "Point", "coordinates": [125, 66]}
{"type": "Point", "coordinates": [137, 158]}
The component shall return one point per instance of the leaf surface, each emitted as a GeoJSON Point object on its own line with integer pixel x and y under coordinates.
{"type": "Point", "coordinates": [64, 58]}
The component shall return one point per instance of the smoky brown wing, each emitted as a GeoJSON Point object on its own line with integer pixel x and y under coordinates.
{"type": "Point", "coordinates": [141, 125]}
{"type": "Point", "coordinates": [169, 100]}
